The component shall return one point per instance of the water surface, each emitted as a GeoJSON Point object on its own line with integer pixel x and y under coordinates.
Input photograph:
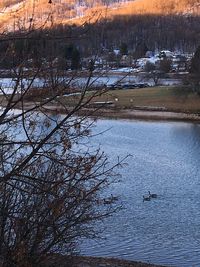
{"type": "Point", "coordinates": [165, 160]}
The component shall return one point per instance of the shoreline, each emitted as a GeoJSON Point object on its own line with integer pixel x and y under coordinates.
{"type": "Point", "coordinates": [91, 261]}
{"type": "Point", "coordinates": [83, 261]}
{"type": "Point", "coordinates": [148, 115]}
{"type": "Point", "coordinates": [143, 114]}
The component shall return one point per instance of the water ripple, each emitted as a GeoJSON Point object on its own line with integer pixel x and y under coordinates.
{"type": "Point", "coordinates": [165, 161]}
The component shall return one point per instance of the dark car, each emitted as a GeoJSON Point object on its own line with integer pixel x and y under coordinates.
{"type": "Point", "coordinates": [142, 85]}
{"type": "Point", "coordinates": [114, 86]}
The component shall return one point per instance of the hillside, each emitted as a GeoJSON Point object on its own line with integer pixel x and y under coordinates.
{"type": "Point", "coordinates": [15, 13]}
{"type": "Point", "coordinates": [139, 7]}
{"type": "Point", "coordinates": [35, 13]}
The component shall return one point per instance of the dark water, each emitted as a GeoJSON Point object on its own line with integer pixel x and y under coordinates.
{"type": "Point", "coordinates": [165, 160]}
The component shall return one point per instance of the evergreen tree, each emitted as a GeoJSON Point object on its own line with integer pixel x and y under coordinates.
{"type": "Point", "coordinates": [75, 60]}
{"type": "Point", "coordinates": [72, 54]}
{"type": "Point", "coordinates": [69, 51]}
{"type": "Point", "coordinates": [123, 49]}
{"type": "Point", "coordinates": [140, 50]}
{"type": "Point", "coordinates": [194, 76]}
{"type": "Point", "coordinates": [195, 63]}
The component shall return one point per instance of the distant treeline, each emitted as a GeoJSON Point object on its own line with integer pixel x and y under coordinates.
{"type": "Point", "coordinates": [158, 32]}
{"type": "Point", "coordinates": [155, 31]}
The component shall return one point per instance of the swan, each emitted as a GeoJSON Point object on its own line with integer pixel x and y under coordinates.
{"type": "Point", "coordinates": [152, 195]}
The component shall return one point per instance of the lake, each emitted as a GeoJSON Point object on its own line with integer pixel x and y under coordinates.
{"type": "Point", "coordinates": [8, 83]}
{"type": "Point", "coordinates": [165, 160]}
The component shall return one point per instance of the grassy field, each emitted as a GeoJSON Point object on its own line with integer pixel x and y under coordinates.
{"type": "Point", "coordinates": [178, 99]}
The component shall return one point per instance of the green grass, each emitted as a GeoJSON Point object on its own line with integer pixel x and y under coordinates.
{"type": "Point", "coordinates": [170, 98]}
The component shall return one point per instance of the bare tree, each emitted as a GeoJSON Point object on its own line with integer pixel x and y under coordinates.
{"type": "Point", "coordinates": [51, 180]}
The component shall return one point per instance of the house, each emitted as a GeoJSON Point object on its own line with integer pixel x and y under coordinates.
{"type": "Point", "coordinates": [141, 62]}
{"type": "Point", "coordinates": [179, 63]}
{"type": "Point", "coordinates": [126, 61]}
{"type": "Point", "coordinates": [166, 54]}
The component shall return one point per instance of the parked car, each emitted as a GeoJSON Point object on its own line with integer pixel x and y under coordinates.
{"type": "Point", "coordinates": [142, 85]}
{"type": "Point", "coordinates": [114, 86]}
{"type": "Point", "coordinates": [135, 85]}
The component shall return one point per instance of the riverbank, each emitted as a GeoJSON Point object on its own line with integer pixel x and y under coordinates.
{"type": "Point", "coordinates": [144, 114]}
{"type": "Point", "coordinates": [112, 262]}
{"type": "Point", "coordinates": [156, 103]}
{"type": "Point", "coordinates": [131, 114]}
{"type": "Point", "coordinates": [83, 261]}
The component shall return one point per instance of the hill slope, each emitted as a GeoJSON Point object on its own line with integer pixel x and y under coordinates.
{"type": "Point", "coordinates": [31, 13]}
